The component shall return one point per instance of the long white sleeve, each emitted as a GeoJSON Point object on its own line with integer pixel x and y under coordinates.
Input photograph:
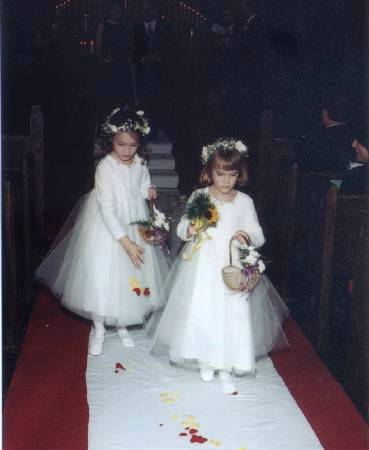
{"type": "Point", "coordinates": [104, 186]}
{"type": "Point", "coordinates": [145, 182]}
{"type": "Point", "coordinates": [183, 224]}
{"type": "Point", "coordinates": [252, 226]}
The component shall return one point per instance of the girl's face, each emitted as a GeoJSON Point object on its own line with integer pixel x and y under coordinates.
{"type": "Point", "coordinates": [224, 180]}
{"type": "Point", "coordinates": [125, 146]}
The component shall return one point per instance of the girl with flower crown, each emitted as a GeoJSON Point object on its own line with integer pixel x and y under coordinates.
{"type": "Point", "coordinates": [205, 325]}
{"type": "Point", "coordinates": [99, 266]}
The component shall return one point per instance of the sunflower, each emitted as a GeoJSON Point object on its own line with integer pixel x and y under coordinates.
{"type": "Point", "coordinates": [214, 217]}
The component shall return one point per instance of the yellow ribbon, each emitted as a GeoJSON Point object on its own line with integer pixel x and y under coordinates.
{"type": "Point", "coordinates": [200, 238]}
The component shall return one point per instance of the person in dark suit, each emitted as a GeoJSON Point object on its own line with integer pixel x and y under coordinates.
{"type": "Point", "coordinates": [151, 39]}
{"type": "Point", "coordinates": [328, 150]}
{"type": "Point", "coordinates": [356, 179]}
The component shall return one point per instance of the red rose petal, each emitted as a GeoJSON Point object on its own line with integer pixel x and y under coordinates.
{"type": "Point", "coordinates": [195, 438]}
{"type": "Point", "coordinates": [193, 431]}
{"type": "Point", "coordinates": [183, 434]}
{"type": "Point", "coordinates": [137, 291]}
{"type": "Point", "coordinates": [119, 366]}
{"type": "Point", "coordinates": [146, 292]}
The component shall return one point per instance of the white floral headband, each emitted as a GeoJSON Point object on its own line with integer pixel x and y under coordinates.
{"type": "Point", "coordinates": [223, 144]}
{"type": "Point", "coordinates": [141, 127]}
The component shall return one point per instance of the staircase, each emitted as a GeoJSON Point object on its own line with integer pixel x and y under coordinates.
{"type": "Point", "coordinates": [162, 164]}
{"type": "Point", "coordinates": [164, 176]}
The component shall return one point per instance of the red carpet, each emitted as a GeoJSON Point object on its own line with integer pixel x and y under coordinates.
{"type": "Point", "coordinates": [329, 411]}
{"type": "Point", "coordinates": [46, 406]}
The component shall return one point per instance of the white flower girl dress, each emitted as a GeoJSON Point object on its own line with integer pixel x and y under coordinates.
{"type": "Point", "coordinates": [206, 323]}
{"type": "Point", "coordinates": [88, 268]}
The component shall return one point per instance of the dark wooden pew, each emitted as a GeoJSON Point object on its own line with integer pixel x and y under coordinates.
{"type": "Point", "coordinates": [349, 297]}
{"type": "Point", "coordinates": [331, 281]}
{"type": "Point", "coordinates": [23, 233]}
{"type": "Point", "coordinates": [311, 262]}
{"type": "Point", "coordinates": [274, 171]}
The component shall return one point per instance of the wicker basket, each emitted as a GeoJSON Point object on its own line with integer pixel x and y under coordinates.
{"type": "Point", "coordinates": [149, 236]}
{"type": "Point", "coordinates": [152, 239]}
{"type": "Point", "coordinates": [235, 279]}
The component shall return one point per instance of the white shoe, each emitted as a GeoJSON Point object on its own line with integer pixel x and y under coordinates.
{"type": "Point", "coordinates": [96, 343]}
{"type": "Point", "coordinates": [226, 382]}
{"type": "Point", "coordinates": [125, 338]}
{"type": "Point", "coordinates": [206, 372]}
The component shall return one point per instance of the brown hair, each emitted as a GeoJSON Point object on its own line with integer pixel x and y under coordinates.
{"type": "Point", "coordinates": [225, 160]}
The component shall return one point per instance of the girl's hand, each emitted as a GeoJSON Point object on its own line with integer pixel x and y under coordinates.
{"type": "Point", "coordinates": [152, 194]}
{"type": "Point", "coordinates": [191, 231]}
{"type": "Point", "coordinates": [134, 251]}
{"type": "Point", "coordinates": [242, 237]}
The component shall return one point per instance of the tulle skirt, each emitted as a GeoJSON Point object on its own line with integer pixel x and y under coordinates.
{"type": "Point", "coordinates": [204, 322]}
{"type": "Point", "coordinates": [92, 274]}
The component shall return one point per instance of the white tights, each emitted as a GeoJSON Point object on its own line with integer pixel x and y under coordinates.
{"type": "Point", "coordinates": [98, 325]}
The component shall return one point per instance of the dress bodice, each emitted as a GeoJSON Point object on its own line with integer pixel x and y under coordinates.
{"type": "Point", "coordinates": [121, 191]}
{"type": "Point", "coordinates": [238, 214]}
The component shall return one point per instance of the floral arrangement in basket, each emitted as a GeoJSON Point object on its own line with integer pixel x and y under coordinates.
{"type": "Point", "coordinates": [202, 214]}
{"type": "Point", "coordinates": [250, 259]}
{"type": "Point", "coordinates": [155, 229]}
{"type": "Point", "coordinates": [246, 277]}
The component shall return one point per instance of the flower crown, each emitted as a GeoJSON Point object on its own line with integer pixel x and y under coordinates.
{"type": "Point", "coordinates": [223, 144]}
{"type": "Point", "coordinates": [141, 125]}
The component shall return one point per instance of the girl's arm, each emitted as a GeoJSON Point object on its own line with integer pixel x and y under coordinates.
{"type": "Point", "coordinates": [184, 230]}
{"type": "Point", "coordinates": [104, 187]}
{"type": "Point", "coordinates": [148, 191]}
{"type": "Point", "coordinates": [252, 226]}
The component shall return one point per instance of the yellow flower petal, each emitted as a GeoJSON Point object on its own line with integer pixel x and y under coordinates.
{"type": "Point", "coordinates": [169, 398]}
{"type": "Point", "coordinates": [133, 282]}
{"type": "Point", "coordinates": [191, 422]}
{"type": "Point", "coordinates": [215, 443]}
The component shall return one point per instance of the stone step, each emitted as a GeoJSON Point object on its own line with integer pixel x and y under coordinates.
{"type": "Point", "coordinates": [161, 161]}
{"type": "Point", "coordinates": [164, 178]}
{"type": "Point", "coordinates": [161, 144]}
{"type": "Point", "coordinates": [160, 147]}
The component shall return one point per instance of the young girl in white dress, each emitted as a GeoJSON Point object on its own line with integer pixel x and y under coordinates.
{"type": "Point", "coordinates": [204, 324]}
{"type": "Point", "coordinates": [100, 267]}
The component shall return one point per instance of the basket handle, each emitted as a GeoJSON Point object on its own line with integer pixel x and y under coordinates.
{"type": "Point", "coordinates": [248, 242]}
{"type": "Point", "coordinates": [151, 204]}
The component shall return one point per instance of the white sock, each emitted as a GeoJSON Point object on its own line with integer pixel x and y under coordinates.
{"type": "Point", "coordinates": [227, 383]}
{"type": "Point", "coordinates": [125, 337]}
{"type": "Point", "coordinates": [206, 372]}
{"type": "Point", "coordinates": [97, 337]}
{"type": "Point", "coordinates": [99, 326]}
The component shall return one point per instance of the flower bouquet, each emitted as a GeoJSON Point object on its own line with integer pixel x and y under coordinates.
{"type": "Point", "coordinates": [155, 229]}
{"type": "Point", "coordinates": [202, 214]}
{"type": "Point", "coordinates": [246, 277]}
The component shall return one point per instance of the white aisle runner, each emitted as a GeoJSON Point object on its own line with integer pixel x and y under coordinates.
{"type": "Point", "coordinates": [138, 402]}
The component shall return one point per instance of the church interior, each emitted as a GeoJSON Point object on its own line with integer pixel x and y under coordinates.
{"type": "Point", "coordinates": [288, 78]}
